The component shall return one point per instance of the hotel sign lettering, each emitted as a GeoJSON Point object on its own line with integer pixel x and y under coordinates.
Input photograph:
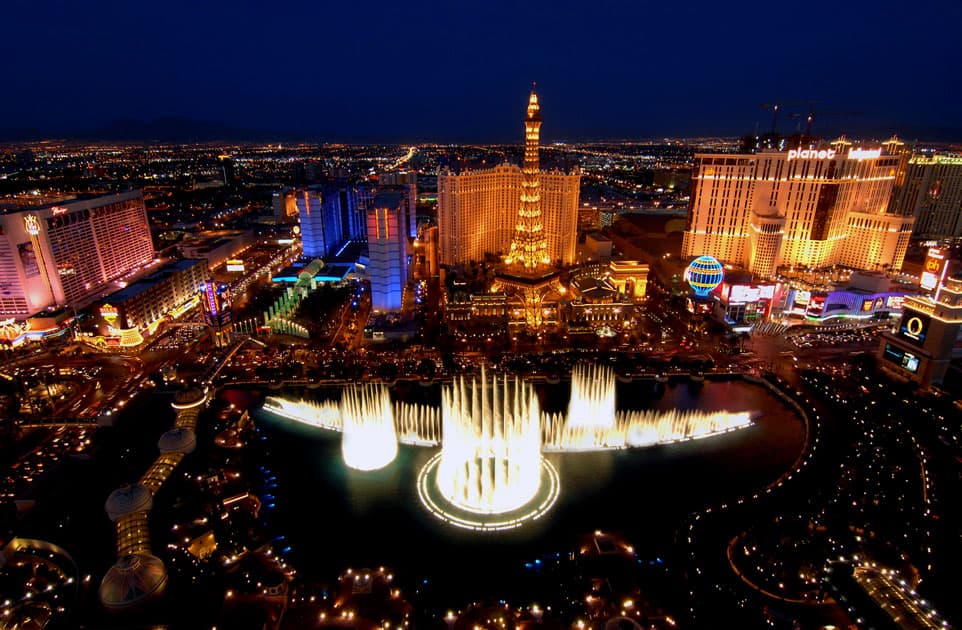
{"type": "Point", "coordinates": [863, 154]}
{"type": "Point", "coordinates": [811, 154]}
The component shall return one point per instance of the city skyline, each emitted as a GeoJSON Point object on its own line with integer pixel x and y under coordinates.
{"type": "Point", "coordinates": [620, 72]}
{"type": "Point", "coordinates": [309, 319]}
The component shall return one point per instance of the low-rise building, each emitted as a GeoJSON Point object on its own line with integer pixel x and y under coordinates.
{"type": "Point", "coordinates": [142, 304]}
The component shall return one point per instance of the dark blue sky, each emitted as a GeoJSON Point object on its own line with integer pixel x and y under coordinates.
{"type": "Point", "coordinates": [460, 70]}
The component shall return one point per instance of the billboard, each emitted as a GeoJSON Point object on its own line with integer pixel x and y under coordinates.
{"type": "Point", "coordinates": [743, 293]}
{"type": "Point", "coordinates": [901, 358]}
{"type": "Point", "coordinates": [216, 300]}
{"type": "Point", "coordinates": [933, 270]}
{"type": "Point", "coordinates": [815, 306]}
{"type": "Point", "coordinates": [802, 298]}
{"type": "Point", "coordinates": [28, 259]}
{"type": "Point", "coordinates": [109, 313]}
{"type": "Point", "coordinates": [235, 264]}
{"type": "Point", "coordinates": [894, 302]}
{"type": "Point", "coordinates": [914, 327]}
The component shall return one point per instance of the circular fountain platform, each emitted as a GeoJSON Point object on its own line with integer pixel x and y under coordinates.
{"type": "Point", "coordinates": [441, 507]}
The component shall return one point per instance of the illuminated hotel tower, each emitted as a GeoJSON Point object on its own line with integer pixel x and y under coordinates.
{"type": "Point", "coordinates": [67, 254]}
{"type": "Point", "coordinates": [529, 248]}
{"type": "Point", "coordinates": [495, 210]}
{"type": "Point", "coordinates": [932, 192]}
{"type": "Point", "coordinates": [803, 207]}
{"type": "Point", "coordinates": [386, 242]}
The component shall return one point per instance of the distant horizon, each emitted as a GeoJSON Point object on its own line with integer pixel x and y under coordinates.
{"type": "Point", "coordinates": [198, 131]}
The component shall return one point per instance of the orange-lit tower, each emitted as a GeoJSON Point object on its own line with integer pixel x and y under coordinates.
{"type": "Point", "coordinates": [529, 247]}
{"type": "Point", "coordinates": [527, 276]}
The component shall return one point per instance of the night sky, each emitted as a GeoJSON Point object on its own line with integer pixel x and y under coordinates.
{"type": "Point", "coordinates": [460, 70]}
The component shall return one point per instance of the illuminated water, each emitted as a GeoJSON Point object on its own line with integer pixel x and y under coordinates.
{"type": "Point", "coordinates": [491, 451]}
{"type": "Point", "coordinates": [369, 440]}
{"type": "Point", "coordinates": [592, 400]}
{"type": "Point", "coordinates": [375, 518]}
{"type": "Point", "coordinates": [482, 417]}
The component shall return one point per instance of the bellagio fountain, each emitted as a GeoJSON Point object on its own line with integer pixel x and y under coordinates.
{"type": "Point", "coordinates": [490, 472]}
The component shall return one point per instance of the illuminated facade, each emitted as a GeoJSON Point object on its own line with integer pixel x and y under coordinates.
{"type": "Point", "coordinates": [146, 301]}
{"type": "Point", "coordinates": [932, 192]}
{"type": "Point", "coordinates": [330, 216]}
{"type": "Point", "coordinates": [387, 250]}
{"type": "Point", "coordinates": [66, 254]}
{"type": "Point", "coordinates": [929, 335]}
{"type": "Point", "coordinates": [284, 204]}
{"type": "Point", "coordinates": [528, 214]}
{"type": "Point", "coordinates": [529, 246]}
{"type": "Point", "coordinates": [407, 181]}
{"type": "Point", "coordinates": [803, 207]}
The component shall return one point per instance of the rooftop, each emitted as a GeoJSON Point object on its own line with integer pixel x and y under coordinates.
{"type": "Point", "coordinates": [153, 279]}
{"type": "Point", "coordinates": [79, 203]}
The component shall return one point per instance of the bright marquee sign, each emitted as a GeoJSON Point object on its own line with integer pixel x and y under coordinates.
{"type": "Point", "coordinates": [811, 154]}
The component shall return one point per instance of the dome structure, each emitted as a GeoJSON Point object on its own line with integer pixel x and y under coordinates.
{"type": "Point", "coordinates": [178, 440]}
{"type": "Point", "coordinates": [192, 397]}
{"type": "Point", "coordinates": [127, 500]}
{"type": "Point", "coordinates": [133, 580]}
{"type": "Point", "coordinates": [704, 274]}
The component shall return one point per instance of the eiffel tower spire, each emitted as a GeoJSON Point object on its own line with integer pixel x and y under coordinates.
{"type": "Point", "coordinates": [529, 247]}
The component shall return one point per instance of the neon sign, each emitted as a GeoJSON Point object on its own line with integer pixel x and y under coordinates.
{"type": "Point", "coordinates": [933, 272]}
{"type": "Point", "coordinates": [211, 298]}
{"type": "Point", "coordinates": [811, 154]}
{"type": "Point", "coordinates": [32, 224]}
{"type": "Point", "coordinates": [864, 154]}
{"type": "Point", "coordinates": [914, 327]}
{"type": "Point", "coordinates": [109, 313]}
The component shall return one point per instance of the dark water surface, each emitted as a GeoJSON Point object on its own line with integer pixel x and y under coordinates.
{"type": "Point", "coordinates": [335, 518]}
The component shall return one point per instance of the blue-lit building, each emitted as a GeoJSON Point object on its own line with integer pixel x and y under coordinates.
{"type": "Point", "coordinates": [406, 182]}
{"type": "Point", "coordinates": [387, 249]}
{"type": "Point", "coordinates": [330, 216]}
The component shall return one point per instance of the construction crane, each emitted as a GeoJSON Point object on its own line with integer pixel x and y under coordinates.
{"type": "Point", "coordinates": [776, 106]}
{"type": "Point", "coordinates": [810, 119]}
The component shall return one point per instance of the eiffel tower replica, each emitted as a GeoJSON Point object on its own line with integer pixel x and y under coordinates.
{"type": "Point", "coordinates": [527, 274]}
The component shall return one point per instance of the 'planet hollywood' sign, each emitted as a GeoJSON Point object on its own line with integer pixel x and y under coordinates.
{"type": "Point", "coordinates": [810, 154]}
{"type": "Point", "coordinates": [864, 154]}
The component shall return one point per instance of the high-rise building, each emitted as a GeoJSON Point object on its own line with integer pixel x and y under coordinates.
{"type": "Point", "coordinates": [478, 211]}
{"type": "Point", "coordinates": [226, 165]}
{"type": "Point", "coordinates": [66, 254]}
{"type": "Point", "coordinates": [320, 221]}
{"type": "Point", "coordinates": [284, 204]}
{"type": "Point", "coordinates": [387, 249]}
{"type": "Point", "coordinates": [408, 180]}
{"type": "Point", "coordinates": [932, 192]}
{"type": "Point", "coordinates": [330, 216]}
{"type": "Point", "coordinates": [803, 207]}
